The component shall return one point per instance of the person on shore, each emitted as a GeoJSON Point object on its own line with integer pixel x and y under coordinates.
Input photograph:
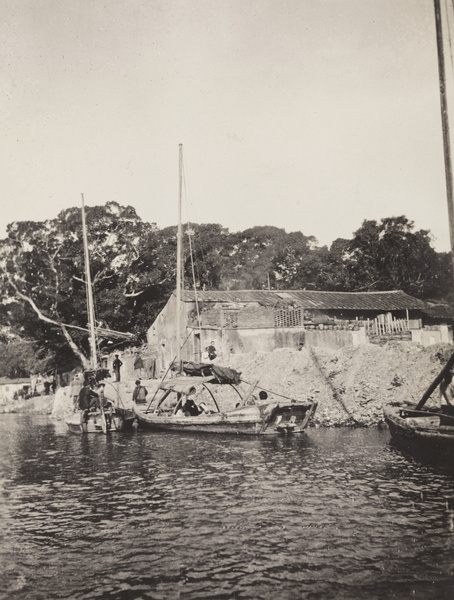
{"type": "Point", "coordinates": [116, 365]}
{"type": "Point", "coordinates": [138, 364]}
{"type": "Point", "coordinates": [210, 352]}
{"type": "Point", "coordinates": [140, 393]}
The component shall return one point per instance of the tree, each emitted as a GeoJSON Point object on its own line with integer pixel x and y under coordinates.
{"type": "Point", "coordinates": [19, 359]}
{"type": "Point", "coordinates": [390, 255]}
{"type": "Point", "coordinates": [42, 268]}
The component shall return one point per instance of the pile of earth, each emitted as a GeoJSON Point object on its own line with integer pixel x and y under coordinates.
{"type": "Point", "coordinates": [352, 386]}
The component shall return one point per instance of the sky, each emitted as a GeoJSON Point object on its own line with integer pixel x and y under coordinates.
{"type": "Point", "coordinates": [309, 115]}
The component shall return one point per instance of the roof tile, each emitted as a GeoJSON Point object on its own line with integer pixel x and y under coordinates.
{"type": "Point", "coordinates": [389, 300]}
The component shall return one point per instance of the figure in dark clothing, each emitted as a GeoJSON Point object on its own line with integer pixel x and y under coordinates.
{"type": "Point", "coordinates": [88, 399]}
{"type": "Point", "coordinates": [190, 409]}
{"type": "Point", "coordinates": [116, 367]}
{"type": "Point", "coordinates": [138, 363]}
{"type": "Point", "coordinates": [211, 351]}
{"type": "Point", "coordinates": [140, 393]}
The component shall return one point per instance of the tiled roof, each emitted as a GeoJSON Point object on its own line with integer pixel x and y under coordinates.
{"type": "Point", "coordinates": [6, 381]}
{"type": "Point", "coordinates": [391, 300]}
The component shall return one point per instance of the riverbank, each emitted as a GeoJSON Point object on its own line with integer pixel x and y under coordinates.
{"type": "Point", "coordinates": [352, 385]}
{"type": "Point", "coordinates": [41, 405]}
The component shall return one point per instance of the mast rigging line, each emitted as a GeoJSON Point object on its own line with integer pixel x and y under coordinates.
{"type": "Point", "coordinates": [90, 303]}
{"type": "Point", "coordinates": [191, 250]}
{"type": "Point", "coordinates": [187, 195]}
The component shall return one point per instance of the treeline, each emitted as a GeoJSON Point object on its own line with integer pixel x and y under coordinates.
{"type": "Point", "coordinates": [133, 266]}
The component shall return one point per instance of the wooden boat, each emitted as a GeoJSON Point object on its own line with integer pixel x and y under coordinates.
{"type": "Point", "coordinates": [422, 430]}
{"type": "Point", "coordinates": [111, 414]}
{"type": "Point", "coordinates": [189, 401]}
{"type": "Point", "coordinates": [427, 429]}
{"type": "Point", "coordinates": [105, 421]}
{"type": "Point", "coordinates": [191, 404]}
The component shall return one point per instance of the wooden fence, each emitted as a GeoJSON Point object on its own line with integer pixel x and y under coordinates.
{"type": "Point", "coordinates": [386, 326]}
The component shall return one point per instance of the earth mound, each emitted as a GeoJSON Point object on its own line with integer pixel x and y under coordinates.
{"type": "Point", "coordinates": [352, 385]}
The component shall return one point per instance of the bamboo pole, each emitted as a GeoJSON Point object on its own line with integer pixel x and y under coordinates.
{"type": "Point", "coordinates": [90, 302]}
{"type": "Point", "coordinates": [445, 123]}
{"type": "Point", "coordinates": [179, 252]}
{"type": "Point", "coordinates": [436, 382]}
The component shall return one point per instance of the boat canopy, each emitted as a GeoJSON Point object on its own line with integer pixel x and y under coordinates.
{"type": "Point", "coordinates": [220, 374]}
{"type": "Point", "coordinates": [186, 385]}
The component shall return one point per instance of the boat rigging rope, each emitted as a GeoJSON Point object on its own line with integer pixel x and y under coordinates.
{"type": "Point", "coordinates": [269, 391]}
{"type": "Point", "coordinates": [165, 374]}
{"type": "Point", "coordinates": [190, 233]}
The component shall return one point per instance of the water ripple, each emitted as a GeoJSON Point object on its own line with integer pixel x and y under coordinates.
{"type": "Point", "coordinates": [337, 514]}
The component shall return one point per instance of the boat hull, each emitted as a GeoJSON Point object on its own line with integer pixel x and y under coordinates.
{"type": "Point", "coordinates": [119, 420]}
{"type": "Point", "coordinates": [427, 432]}
{"type": "Point", "coordinates": [248, 420]}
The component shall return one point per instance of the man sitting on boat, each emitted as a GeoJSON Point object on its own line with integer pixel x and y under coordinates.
{"type": "Point", "coordinates": [88, 398]}
{"type": "Point", "coordinates": [190, 408]}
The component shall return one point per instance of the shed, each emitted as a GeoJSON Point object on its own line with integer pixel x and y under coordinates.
{"type": "Point", "coordinates": [254, 320]}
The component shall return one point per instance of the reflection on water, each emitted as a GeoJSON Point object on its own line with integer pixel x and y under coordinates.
{"type": "Point", "coordinates": [334, 514]}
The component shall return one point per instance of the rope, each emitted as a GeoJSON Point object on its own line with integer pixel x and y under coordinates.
{"type": "Point", "coordinates": [191, 251]}
{"type": "Point", "coordinates": [270, 391]}
{"type": "Point", "coordinates": [165, 374]}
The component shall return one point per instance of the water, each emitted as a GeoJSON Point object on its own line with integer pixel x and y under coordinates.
{"type": "Point", "coordinates": [336, 514]}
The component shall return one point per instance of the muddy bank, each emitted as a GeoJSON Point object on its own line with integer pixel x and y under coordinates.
{"type": "Point", "coordinates": [41, 405]}
{"type": "Point", "coordinates": [351, 386]}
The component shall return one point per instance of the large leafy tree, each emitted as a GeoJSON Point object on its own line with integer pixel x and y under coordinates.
{"type": "Point", "coordinates": [19, 358]}
{"type": "Point", "coordinates": [133, 268]}
{"type": "Point", "coordinates": [263, 257]}
{"type": "Point", "coordinates": [389, 255]}
{"type": "Point", "coordinates": [42, 269]}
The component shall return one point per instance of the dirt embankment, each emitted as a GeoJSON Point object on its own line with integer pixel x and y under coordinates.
{"type": "Point", "coordinates": [351, 385]}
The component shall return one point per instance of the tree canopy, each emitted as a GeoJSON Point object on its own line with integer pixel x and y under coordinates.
{"type": "Point", "coordinates": [133, 268]}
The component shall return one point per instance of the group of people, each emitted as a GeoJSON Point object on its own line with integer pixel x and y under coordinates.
{"type": "Point", "coordinates": [91, 395]}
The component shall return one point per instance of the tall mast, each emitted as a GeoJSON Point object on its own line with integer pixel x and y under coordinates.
{"type": "Point", "coordinates": [445, 124]}
{"type": "Point", "coordinates": [179, 253]}
{"type": "Point", "coordinates": [90, 303]}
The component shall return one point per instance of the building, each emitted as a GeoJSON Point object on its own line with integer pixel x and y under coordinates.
{"type": "Point", "coordinates": [262, 320]}
{"type": "Point", "coordinates": [11, 389]}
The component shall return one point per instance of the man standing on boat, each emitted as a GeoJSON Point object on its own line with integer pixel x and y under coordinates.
{"type": "Point", "coordinates": [140, 393]}
{"type": "Point", "coordinates": [116, 367]}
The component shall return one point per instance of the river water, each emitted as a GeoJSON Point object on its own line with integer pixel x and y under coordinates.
{"type": "Point", "coordinates": [337, 513]}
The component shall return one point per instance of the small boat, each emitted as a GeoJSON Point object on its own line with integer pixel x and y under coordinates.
{"type": "Point", "coordinates": [425, 428]}
{"type": "Point", "coordinates": [190, 403]}
{"type": "Point", "coordinates": [104, 421]}
{"type": "Point", "coordinates": [110, 413]}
